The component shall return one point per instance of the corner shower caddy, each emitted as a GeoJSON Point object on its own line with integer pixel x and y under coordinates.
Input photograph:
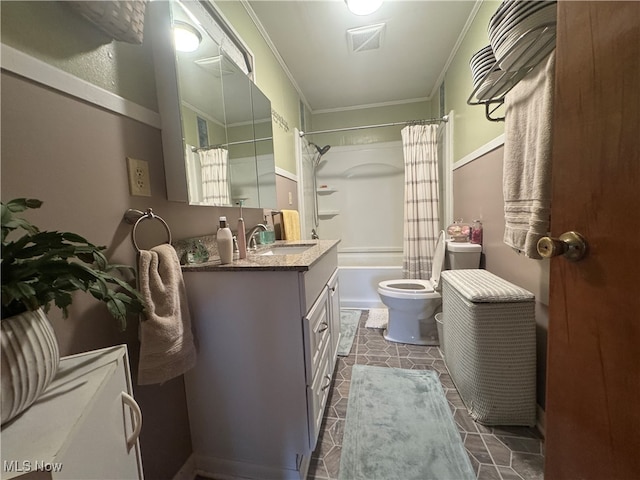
{"type": "Point", "coordinates": [509, 79]}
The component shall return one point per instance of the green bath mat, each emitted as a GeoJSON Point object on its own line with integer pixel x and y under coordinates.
{"type": "Point", "coordinates": [348, 325]}
{"type": "Point", "coordinates": [399, 427]}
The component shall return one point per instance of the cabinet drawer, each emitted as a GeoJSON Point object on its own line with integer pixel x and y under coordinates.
{"type": "Point", "coordinates": [317, 395]}
{"type": "Point", "coordinates": [317, 335]}
{"type": "Point", "coordinates": [318, 275]}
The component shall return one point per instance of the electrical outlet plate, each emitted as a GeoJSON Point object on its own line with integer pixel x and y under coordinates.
{"type": "Point", "coordinates": [139, 183]}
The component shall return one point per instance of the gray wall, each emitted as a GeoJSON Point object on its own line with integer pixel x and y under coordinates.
{"type": "Point", "coordinates": [477, 193]}
{"type": "Point", "coordinates": [72, 156]}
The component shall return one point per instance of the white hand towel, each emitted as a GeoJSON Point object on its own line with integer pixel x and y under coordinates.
{"type": "Point", "coordinates": [166, 342]}
{"type": "Point", "coordinates": [527, 159]}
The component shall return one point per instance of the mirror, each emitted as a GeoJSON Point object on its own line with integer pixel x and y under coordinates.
{"type": "Point", "coordinates": [216, 124]}
{"type": "Point", "coordinates": [263, 127]}
{"type": "Point", "coordinates": [241, 135]}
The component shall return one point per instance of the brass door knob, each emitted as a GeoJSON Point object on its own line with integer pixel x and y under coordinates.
{"type": "Point", "coordinates": [571, 245]}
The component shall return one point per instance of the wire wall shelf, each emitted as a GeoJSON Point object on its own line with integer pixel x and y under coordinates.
{"type": "Point", "coordinates": [540, 41]}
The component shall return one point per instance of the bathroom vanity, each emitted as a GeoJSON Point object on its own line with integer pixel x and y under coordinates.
{"type": "Point", "coordinates": [267, 330]}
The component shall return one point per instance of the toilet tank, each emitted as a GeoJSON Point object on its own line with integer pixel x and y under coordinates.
{"type": "Point", "coordinates": [462, 255]}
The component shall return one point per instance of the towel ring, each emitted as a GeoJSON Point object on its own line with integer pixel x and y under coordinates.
{"type": "Point", "coordinates": [136, 216]}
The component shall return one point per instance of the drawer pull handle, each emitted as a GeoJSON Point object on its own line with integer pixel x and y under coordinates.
{"type": "Point", "coordinates": [324, 387]}
{"type": "Point", "coordinates": [137, 419]}
{"type": "Point", "coordinates": [325, 325]}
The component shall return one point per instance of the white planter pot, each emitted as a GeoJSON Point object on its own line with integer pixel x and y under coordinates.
{"type": "Point", "coordinates": [30, 358]}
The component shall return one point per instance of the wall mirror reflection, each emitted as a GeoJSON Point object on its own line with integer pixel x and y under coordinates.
{"type": "Point", "coordinates": [216, 124]}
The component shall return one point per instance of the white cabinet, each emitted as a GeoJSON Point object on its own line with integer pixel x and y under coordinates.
{"type": "Point", "coordinates": [84, 426]}
{"type": "Point", "coordinates": [266, 353]}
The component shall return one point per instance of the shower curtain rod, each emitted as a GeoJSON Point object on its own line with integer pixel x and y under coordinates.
{"type": "Point", "coordinates": [221, 145]}
{"type": "Point", "coordinates": [409, 122]}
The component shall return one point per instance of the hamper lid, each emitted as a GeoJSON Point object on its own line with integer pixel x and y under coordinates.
{"type": "Point", "coordinates": [481, 286]}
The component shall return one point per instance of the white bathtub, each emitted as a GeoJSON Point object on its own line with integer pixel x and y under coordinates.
{"type": "Point", "coordinates": [360, 273]}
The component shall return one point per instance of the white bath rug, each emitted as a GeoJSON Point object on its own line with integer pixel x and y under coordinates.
{"type": "Point", "coordinates": [378, 318]}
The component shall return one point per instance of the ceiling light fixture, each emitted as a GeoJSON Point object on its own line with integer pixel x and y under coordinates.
{"type": "Point", "coordinates": [363, 7]}
{"type": "Point", "coordinates": [186, 37]}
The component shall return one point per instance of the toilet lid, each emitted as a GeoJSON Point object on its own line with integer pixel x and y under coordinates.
{"type": "Point", "coordinates": [438, 261]}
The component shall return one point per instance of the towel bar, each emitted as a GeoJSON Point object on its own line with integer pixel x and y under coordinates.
{"type": "Point", "coordinates": [134, 217]}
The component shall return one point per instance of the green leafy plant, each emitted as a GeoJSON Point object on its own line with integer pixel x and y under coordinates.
{"type": "Point", "coordinates": [41, 267]}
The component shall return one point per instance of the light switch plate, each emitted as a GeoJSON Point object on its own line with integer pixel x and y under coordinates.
{"type": "Point", "coordinates": [139, 183]}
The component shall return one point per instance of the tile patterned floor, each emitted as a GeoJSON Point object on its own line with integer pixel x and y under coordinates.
{"type": "Point", "coordinates": [509, 453]}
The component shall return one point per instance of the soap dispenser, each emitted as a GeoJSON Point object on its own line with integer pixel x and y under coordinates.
{"type": "Point", "coordinates": [241, 235]}
{"type": "Point", "coordinates": [224, 240]}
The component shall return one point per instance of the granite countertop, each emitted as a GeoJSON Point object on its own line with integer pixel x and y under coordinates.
{"type": "Point", "coordinates": [254, 261]}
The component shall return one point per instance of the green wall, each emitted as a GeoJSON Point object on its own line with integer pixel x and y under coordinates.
{"type": "Point", "coordinates": [471, 128]}
{"type": "Point", "coordinates": [366, 116]}
{"type": "Point", "coordinates": [217, 133]}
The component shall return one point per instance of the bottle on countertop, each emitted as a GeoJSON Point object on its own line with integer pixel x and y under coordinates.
{"type": "Point", "coordinates": [224, 240]}
{"type": "Point", "coordinates": [241, 235]}
{"type": "Point", "coordinates": [476, 232]}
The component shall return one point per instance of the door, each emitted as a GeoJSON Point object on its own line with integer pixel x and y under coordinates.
{"type": "Point", "coordinates": [593, 384]}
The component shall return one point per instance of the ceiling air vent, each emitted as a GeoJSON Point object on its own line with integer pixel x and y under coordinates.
{"type": "Point", "coordinates": [366, 38]}
{"type": "Point", "coordinates": [217, 66]}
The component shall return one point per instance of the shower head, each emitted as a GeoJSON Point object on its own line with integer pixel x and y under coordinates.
{"type": "Point", "coordinates": [322, 150]}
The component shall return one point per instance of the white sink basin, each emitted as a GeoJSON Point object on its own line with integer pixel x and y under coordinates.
{"type": "Point", "coordinates": [285, 250]}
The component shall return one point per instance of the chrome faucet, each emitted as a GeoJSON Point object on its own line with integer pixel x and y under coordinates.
{"type": "Point", "coordinates": [251, 235]}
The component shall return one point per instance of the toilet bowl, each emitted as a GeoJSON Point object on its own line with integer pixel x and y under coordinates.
{"type": "Point", "coordinates": [413, 304]}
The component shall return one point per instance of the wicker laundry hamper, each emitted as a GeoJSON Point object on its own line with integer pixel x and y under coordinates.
{"type": "Point", "coordinates": [490, 333]}
{"type": "Point", "coordinates": [122, 20]}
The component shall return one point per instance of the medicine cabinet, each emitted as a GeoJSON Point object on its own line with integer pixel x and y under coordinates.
{"type": "Point", "coordinates": [216, 123]}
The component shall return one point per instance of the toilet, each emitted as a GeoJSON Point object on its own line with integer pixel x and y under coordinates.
{"type": "Point", "coordinates": [413, 303]}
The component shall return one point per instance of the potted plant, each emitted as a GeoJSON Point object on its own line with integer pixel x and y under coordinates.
{"type": "Point", "coordinates": [40, 268]}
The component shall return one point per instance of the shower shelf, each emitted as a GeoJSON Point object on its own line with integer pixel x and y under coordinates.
{"type": "Point", "coordinates": [326, 190]}
{"type": "Point", "coordinates": [328, 213]}
{"type": "Point", "coordinates": [540, 45]}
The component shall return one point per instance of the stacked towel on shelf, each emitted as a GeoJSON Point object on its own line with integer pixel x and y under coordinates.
{"type": "Point", "coordinates": [291, 225]}
{"type": "Point", "coordinates": [166, 343]}
{"type": "Point", "coordinates": [527, 159]}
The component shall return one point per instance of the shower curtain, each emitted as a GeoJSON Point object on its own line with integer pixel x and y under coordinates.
{"type": "Point", "coordinates": [421, 217]}
{"type": "Point", "coordinates": [215, 183]}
